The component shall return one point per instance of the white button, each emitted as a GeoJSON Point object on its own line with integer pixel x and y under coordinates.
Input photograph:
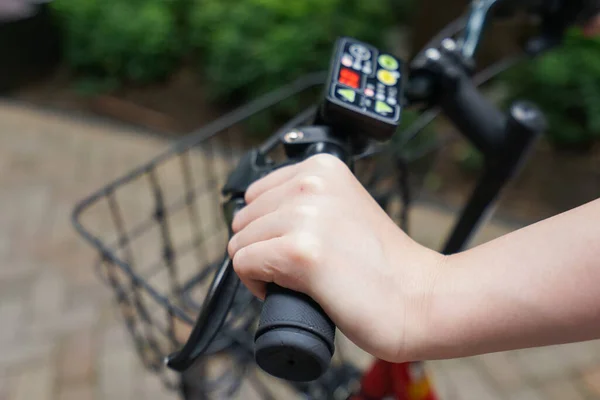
{"type": "Point", "coordinates": [360, 52]}
{"type": "Point", "coordinates": [347, 60]}
{"type": "Point", "coordinates": [357, 66]}
{"type": "Point", "coordinates": [392, 101]}
{"type": "Point", "coordinates": [367, 70]}
{"type": "Point", "coordinates": [380, 97]}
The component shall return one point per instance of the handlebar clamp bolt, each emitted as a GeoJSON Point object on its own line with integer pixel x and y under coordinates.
{"type": "Point", "coordinates": [292, 136]}
{"type": "Point", "coordinates": [433, 54]}
{"type": "Point", "coordinates": [449, 44]}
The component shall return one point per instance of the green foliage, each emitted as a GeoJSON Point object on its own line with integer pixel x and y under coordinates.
{"type": "Point", "coordinates": [468, 158]}
{"type": "Point", "coordinates": [565, 83]}
{"type": "Point", "coordinates": [116, 40]}
{"type": "Point", "coordinates": [241, 48]}
{"type": "Point", "coordinates": [252, 46]}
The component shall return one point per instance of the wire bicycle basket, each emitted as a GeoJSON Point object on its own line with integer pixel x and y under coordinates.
{"type": "Point", "coordinates": [160, 235]}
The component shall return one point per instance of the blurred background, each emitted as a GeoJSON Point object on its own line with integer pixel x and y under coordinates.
{"type": "Point", "coordinates": [93, 88]}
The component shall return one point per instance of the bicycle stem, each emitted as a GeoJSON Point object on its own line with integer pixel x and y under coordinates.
{"type": "Point", "coordinates": [503, 138]}
{"type": "Point", "coordinates": [474, 28]}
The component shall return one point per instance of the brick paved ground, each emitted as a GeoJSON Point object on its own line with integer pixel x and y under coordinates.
{"type": "Point", "coordinates": [60, 338]}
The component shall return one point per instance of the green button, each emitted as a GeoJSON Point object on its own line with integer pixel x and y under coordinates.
{"type": "Point", "coordinates": [388, 62]}
{"type": "Point", "coordinates": [383, 108]}
{"type": "Point", "coordinates": [347, 94]}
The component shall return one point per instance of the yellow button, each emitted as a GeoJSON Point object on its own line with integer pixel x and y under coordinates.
{"type": "Point", "coordinates": [387, 77]}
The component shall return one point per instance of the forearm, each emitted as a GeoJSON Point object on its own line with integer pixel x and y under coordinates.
{"type": "Point", "coordinates": [533, 287]}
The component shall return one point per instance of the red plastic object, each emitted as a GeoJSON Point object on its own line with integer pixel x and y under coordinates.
{"type": "Point", "coordinates": [406, 381]}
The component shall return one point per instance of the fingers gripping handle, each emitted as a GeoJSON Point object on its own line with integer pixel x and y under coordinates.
{"type": "Point", "coordinates": [295, 338]}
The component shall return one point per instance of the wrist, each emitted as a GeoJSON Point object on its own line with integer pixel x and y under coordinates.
{"type": "Point", "coordinates": [458, 310]}
{"type": "Point", "coordinates": [421, 271]}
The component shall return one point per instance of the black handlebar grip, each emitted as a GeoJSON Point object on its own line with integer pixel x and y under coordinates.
{"type": "Point", "coordinates": [295, 338]}
{"type": "Point", "coordinates": [471, 112]}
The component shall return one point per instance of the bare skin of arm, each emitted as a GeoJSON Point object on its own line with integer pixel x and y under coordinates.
{"type": "Point", "coordinates": [536, 286]}
{"type": "Point", "coordinates": [313, 228]}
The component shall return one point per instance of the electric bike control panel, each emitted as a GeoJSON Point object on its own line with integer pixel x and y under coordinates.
{"type": "Point", "coordinates": [363, 90]}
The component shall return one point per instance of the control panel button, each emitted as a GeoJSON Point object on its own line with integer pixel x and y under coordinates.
{"type": "Point", "coordinates": [369, 92]}
{"type": "Point", "coordinates": [347, 94]}
{"type": "Point", "coordinates": [388, 78]}
{"type": "Point", "coordinates": [360, 52]}
{"type": "Point", "coordinates": [388, 62]}
{"type": "Point", "coordinates": [383, 108]}
{"type": "Point", "coordinates": [349, 77]}
{"type": "Point", "coordinates": [347, 60]}
{"type": "Point", "coordinates": [392, 101]}
{"type": "Point", "coordinates": [380, 97]}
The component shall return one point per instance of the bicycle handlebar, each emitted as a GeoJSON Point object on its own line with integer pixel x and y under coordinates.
{"type": "Point", "coordinates": [295, 338]}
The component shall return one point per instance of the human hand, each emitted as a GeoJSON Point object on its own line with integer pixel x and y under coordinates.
{"type": "Point", "coordinates": [313, 228]}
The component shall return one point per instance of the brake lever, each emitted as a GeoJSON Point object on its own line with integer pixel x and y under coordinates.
{"type": "Point", "coordinates": [226, 283]}
{"type": "Point", "coordinates": [215, 308]}
{"type": "Point", "coordinates": [211, 319]}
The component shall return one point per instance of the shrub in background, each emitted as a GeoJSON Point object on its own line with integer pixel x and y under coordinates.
{"type": "Point", "coordinates": [241, 48]}
{"type": "Point", "coordinates": [565, 83]}
{"type": "Point", "coordinates": [249, 47]}
{"type": "Point", "coordinates": [117, 41]}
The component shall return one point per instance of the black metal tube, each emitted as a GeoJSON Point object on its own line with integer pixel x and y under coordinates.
{"type": "Point", "coordinates": [524, 124]}
{"type": "Point", "coordinates": [473, 214]}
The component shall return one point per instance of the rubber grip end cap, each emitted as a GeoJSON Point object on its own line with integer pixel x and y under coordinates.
{"type": "Point", "coordinates": [292, 354]}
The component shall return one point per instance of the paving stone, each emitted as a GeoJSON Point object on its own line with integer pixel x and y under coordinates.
{"type": "Point", "coordinates": [443, 384]}
{"type": "Point", "coordinates": [23, 353]}
{"type": "Point", "coordinates": [150, 387]}
{"type": "Point", "coordinates": [16, 269]}
{"type": "Point", "coordinates": [4, 386]}
{"type": "Point", "coordinates": [581, 355]}
{"type": "Point", "coordinates": [543, 363]}
{"type": "Point", "coordinates": [117, 373]}
{"type": "Point", "coordinates": [468, 381]}
{"type": "Point", "coordinates": [80, 391]}
{"type": "Point", "coordinates": [503, 370]}
{"type": "Point", "coordinates": [527, 393]}
{"type": "Point", "coordinates": [35, 382]}
{"type": "Point", "coordinates": [12, 317]}
{"type": "Point", "coordinates": [562, 389]}
{"type": "Point", "coordinates": [591, 380]}
{"type": "Point", "coordinates": [48, 296]}
{"type": "Point", "coordinates": [77, 356]}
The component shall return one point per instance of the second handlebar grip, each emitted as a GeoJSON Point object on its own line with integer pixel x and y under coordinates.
{"type": "Point", "coordinates": [295, 338]}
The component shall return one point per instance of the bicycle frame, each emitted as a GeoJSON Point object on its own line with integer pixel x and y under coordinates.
{"type": "Point", "coordinates": [503, 139]}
